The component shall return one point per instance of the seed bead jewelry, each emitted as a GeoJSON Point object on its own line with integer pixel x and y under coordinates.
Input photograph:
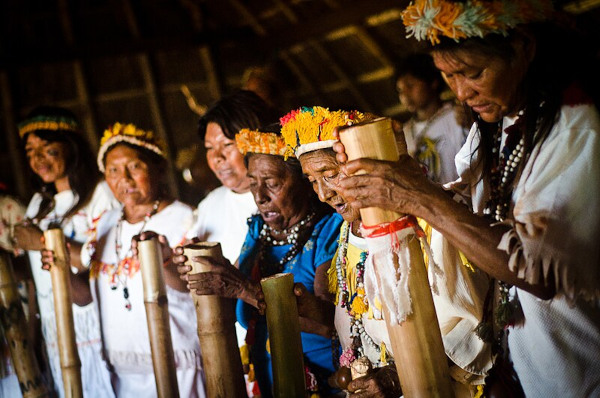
{"type": "Point", "coordinates": [360, 337]}
{"type": "Point", "coordinates": [292, 233]}
{"type": "Point", "coordinates": [126, 262]}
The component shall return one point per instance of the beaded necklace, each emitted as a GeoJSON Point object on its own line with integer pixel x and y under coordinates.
{"type": "Point", "coordinates": [354, 304]}
{"type": "Point", "coordinates": [292, 234]}
{"type": "Point", "coordinates": [126, 263]}
{"type": "Point", "coordinates": [505, 166]}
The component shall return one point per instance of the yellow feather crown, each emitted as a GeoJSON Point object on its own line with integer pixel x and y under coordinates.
{"type": "Point", "coordinates": [308, 129]}
{"type": "Point", "coordinates": [260, 142]}
{"type": "Point", "coordinates": [130, 134]}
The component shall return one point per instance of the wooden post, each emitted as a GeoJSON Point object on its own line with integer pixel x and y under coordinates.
{"type": "Point", "coordinates": [287, 358]}
{"type": "Point", "coordinates": [216, 331]}
{"type": "Point", "coordinates": [417, 344]}
{"type": "Point", "coordinates": [157, 316]}
{"type": "Point", "coordinates": [60, 273]}
{"type": "Point", "coordinates": [12, 320]}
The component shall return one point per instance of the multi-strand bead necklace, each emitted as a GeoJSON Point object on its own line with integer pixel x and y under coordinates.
{"type": "Point", "coordinates": [125, 264]}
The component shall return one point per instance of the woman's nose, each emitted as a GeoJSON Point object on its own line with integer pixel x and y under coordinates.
{"type": "Point", "coordinates": [462, 89]}
{"type": "Point", "coordinates": [323, 191]}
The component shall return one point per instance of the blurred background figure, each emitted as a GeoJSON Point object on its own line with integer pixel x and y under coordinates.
{"type": "Point", "coordinates": [433, 135]}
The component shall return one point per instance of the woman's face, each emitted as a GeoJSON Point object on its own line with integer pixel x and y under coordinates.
{"type": "Point", "coordinates": [323, 171]}
{"type": "Point", "coordinates": [131, 179]}
{"type": "Point", "coordinates": [281, 198]}
{"type": "Point", "coordinates": [225, 160]}
{"type": "Point", "coordinates": [490, 85]}
{"type": "Point", "coordinates": [415, 93]}
{"type": "Point", "coordinates": [46, 159]}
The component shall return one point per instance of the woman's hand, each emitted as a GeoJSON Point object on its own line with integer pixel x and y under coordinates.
{"type": "Point", "coordinates": [222, 279]}
{"type": "Point", "coordinates": [316, 315]}
{"type": "Point", "coordinates": [28, 236]}
{"type": "Point", "coordinates": [382, 383]}
{"type": "Point", "coordinates": [398, 186]}
{"type": "Point", "coordinates": [170, 272]}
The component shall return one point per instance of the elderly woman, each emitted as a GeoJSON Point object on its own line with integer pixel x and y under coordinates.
{"type": "Point", "coordinates": [530, 174]}
{"type": "Point", "coordinates": [292, 233]}
{"type": "Point", "coordinates": [358, 321]}
{"type": "Point", "coordinates": [70, 197]}
{"type": "Point", "coordinates": [134, 165]}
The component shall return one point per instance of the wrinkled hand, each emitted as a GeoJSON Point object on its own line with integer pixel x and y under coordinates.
{"type": "Point", "coordinates": [398, 186]}
{"type": "Point", "coordinates": [316, 315]}
{"type": "Point", "coordinates": [28, 237]}
{"type": "Point", "coordinates": [166, 251]}
{"type": "Point", "coordinates": [382, 383]}
{"type": "Point", "coordinates": [222, 279]}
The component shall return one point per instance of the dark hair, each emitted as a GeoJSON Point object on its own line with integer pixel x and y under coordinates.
{"type": "Point", "coordinates": [243, 109]}
{"type": "Point", "coordinates": [80, 162]}
{"type": "Point", "coordinates": [421, 66]}
{"type": "Point", "coordinates": [560, 61]}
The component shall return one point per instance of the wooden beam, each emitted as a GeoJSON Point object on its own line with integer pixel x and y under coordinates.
{"type": "Point", "coordinates": [248, 17]}
{"type": "Point", "coordinates": [296, 70]}
{"type": "Point", "coordinates": [215, 88]}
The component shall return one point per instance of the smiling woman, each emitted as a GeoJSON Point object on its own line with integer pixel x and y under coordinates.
{"type": "Point", "coordinates": [70, 198]}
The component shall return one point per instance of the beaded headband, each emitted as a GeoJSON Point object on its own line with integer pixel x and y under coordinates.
{"type": "Point", "coordinates": [258, 142]}
{"type": "Point", "coordinates": [308, 129]}
{"type": "Point", "coordinates": [132, 135]}
{"type": "Point", "coordinates": [51, 123]}
{"type": "Point", "coordinates": [430, 19]}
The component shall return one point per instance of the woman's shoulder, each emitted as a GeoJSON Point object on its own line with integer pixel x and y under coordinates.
{"type": "Point", "coordinates": [329, 223]}
{"type": "Point", "coordinates": [214, 197]}
{"type": "Point", "coordinates": [102, 200]}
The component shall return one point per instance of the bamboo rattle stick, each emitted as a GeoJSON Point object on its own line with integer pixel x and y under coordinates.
{"type": "Point", "coordinates": [417, 345]}
{"type": "Point", "coordinates": [60, 272]}
{"type": "Point", "coordinates": [157, 315]}
{"type": "Point", "coordinates": [221, 360]}
{"type": "Point", "coordinates": [14, 325]}
{"type": "Point", "coordinates": [287, 357]}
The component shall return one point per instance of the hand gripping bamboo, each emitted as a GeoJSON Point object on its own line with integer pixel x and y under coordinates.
{"type": "Point", "coordinates": [216, 331]}
{"type": "Point", "coordinates": [12, 320]}
{"type": "Point", "coordinates": [60, 273]}
{"type": "Point", "coordinates": [157, 316]}
{"type": "Point", "coordinates": [287, 358]}
{"type": "Point", "coordinates": [417, 342]}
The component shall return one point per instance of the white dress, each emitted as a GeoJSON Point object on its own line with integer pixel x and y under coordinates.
{"type": "Point", "coordinates": [555, 346]}
{"type": "Point", "coordinates": [94, 373]}
{"type": "Point", "coordinates": [222, 217]}
{"type": "Point", "coordinates": [125, 332]}
{"type": "Point", "coordinates": [435, 142]}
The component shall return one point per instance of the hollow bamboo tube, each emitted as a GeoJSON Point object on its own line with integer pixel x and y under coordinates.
{"type": "Point", "coordinates": [284, 336]}
{"type": "Point", "coordinates": [221, 360]}
{"type": "Point", "coordinates": [14, 325]}
{"type": "Point", "coordinates": [416, 343]}
{"type": "Point", "coordinates": [60, 273]}
{"type": "Point", "coordinates": [157, 316]}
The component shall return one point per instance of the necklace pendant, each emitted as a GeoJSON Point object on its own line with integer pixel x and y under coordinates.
{"type": "Point", "coordinates": [128, 305]}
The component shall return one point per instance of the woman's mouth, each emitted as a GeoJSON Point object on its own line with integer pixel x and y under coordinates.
{"type": "Point", "coordinates": [481, 108]}
{"type": "Point", "coordinates": [269, 216]}
{"type": "Point", "coordinates": [340, 207]}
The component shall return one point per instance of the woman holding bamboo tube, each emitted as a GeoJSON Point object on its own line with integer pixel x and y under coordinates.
{"type": "Point", "coordinates": [134, 165]}
{"type": "Point", "coordinates": [359, 323]}
{"type": "Point", "coordinates": [529, 174]}
{"type": "Point", "coordinates": [292, 233]}
{"type": "Point", "coordinates": [72, 197]}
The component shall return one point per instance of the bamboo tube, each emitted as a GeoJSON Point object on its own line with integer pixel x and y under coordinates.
{"type": "Point", "coordinates": [157, 316]}
{"type": "Point", "coordinates": [216, 331]}
{"type": "Point", "coordinates": [287, 358]}
{"type": "Point", "coordinates": [60, 273]}
{"type": "Point", "coordinates": [417, 342]}
{"type": "Point", "coordinates": [15, 329]}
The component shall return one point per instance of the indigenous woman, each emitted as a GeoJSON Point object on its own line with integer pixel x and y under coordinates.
{"type": "Point", "coordinates": [222, 215]}
{"type": "Point", "coordinates": [134, 164]}
{"type": "Point", "coordinates": [358, 320]}
{"type": "Point", "coordinates": [530, 173]}
{"type": "Point", "coordinates": [71, 198]}
{"type": "Point", "coordinates": [292, 233]}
